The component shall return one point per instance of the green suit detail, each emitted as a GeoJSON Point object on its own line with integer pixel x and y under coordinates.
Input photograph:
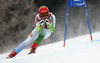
{"type": "Point", "coordinates": [51, 28]}
{"type": "Point", "coordinates": [43, 33]}
{"type": "Point", "coordinates": [41, 36]}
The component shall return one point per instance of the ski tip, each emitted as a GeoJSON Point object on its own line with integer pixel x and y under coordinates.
{"type": "Point", "coordinates": [30, 53]}
{"type": "Point", "coordinates": [8, 57]}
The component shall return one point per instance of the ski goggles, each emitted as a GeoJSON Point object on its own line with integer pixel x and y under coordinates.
{"type": "Point", "coordinates": [43, 14]}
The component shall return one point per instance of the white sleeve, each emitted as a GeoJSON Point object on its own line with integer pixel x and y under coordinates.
{"type": "Point", "coordinates": [53, 20]}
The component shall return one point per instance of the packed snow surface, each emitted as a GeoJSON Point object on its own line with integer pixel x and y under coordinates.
{"type": "Point", "coordinates": [77, 50]}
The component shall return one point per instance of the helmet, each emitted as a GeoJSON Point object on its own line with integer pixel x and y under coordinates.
{"type": "Point", "coordinates": [43, 9]}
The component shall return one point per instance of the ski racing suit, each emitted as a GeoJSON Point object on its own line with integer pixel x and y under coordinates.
{"type": "Point", "coordinates": [39, 33]}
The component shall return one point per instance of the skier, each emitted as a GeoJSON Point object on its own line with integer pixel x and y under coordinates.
{"type": "Point", "coordinates": [45, 26]}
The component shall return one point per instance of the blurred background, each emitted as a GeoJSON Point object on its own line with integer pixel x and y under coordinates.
{"type": "Point", "coordinates": [17, 20]}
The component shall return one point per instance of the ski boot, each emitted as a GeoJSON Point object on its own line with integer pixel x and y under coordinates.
{"type": "Point", "coordinates": [33, 48]}
{"type": "Point", "coordinates": [12, 54]}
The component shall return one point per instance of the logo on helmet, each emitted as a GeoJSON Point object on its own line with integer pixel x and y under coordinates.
{"type": "Point", "coordinates": [44, 11]}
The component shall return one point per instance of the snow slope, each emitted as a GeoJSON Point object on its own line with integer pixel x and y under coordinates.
{"type": "Point", "coordinates": [77, 50]}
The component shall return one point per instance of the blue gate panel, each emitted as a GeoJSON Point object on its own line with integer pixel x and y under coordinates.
{"type": "Point", "coordinates": [76, 3]}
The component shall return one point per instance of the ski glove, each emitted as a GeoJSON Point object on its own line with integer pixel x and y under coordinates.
{"type": "Point", "coordinates": [40, 26]}
{"type": "Point", "coordinates": [51, 27]}
{"type": "Point", "coordinates": [42, 22]}
{"type": "Point", "coordinates": [47, 22]}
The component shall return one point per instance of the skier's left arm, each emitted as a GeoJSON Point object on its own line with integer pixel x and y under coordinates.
{"type": "Point", "coordinates": [51, 23]}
